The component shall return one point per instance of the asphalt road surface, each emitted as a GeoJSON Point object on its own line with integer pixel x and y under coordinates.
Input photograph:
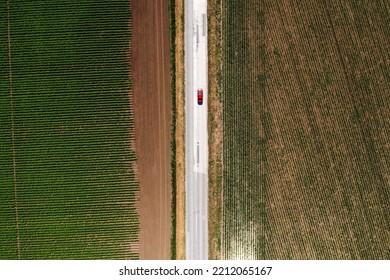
{"type": "Point", "coordinates": [196, 130]}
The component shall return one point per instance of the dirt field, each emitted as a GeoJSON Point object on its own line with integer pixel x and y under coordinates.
{"type": "Point", "coordinates": [152, 112]}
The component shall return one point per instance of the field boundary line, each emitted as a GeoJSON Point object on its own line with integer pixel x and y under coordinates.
{"type": "Point", "coordinates": [160, 179]}
{"type": "Point", "coordinates": [12, 128]}
{"type": "Point", "coordinates": [164, 132]}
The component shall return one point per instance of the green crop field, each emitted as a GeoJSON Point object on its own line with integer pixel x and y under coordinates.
{"type": "Point", "coordinates": [305, 96]}
{"type": "Point", "coordinates": [67, 186]}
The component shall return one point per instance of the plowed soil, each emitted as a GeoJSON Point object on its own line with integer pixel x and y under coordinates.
{"type": "Point", "coordinates": [152, 112]}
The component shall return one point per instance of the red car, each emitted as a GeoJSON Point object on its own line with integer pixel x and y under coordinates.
{"type": "Point", "coordinates": [200, 96]}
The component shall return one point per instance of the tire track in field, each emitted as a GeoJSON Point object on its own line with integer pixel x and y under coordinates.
{"type": "Point", "coordinates": [164, 121]}
{"type": "Point", "coordinates": [12, 129]}
{"type": "Point", "coordinates": [160, 179]}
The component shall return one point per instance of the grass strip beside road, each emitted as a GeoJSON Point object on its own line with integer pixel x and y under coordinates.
{"type": "Point", "coordinates": [179, 130]}
{"type": "Point", "coordinates": [172, 32]}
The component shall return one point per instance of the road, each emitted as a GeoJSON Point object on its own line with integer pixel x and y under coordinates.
{"type": "Point", "coordinates": [196, 130]}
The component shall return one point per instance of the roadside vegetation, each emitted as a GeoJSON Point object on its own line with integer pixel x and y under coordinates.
{"type": "Point", "coordinates": [172, 30]}
{"type": "Point", "coordinates": [305, 94]}
{"type": "Point", "coordinates": [215, 128]}
{"type": "Point", "coordinates": [179, 123]}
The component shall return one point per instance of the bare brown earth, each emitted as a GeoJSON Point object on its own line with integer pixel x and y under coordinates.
{"type": "Point", "coordinates": [180, 130]}
{"type": "Point", "coordinates": [152, 114]}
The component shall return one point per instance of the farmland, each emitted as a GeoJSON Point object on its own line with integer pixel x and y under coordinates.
{"type": "Point", "coordinates": [152, 122]}
{"type": "Point", "coordinates": [67, 184]}
{"type": "Point", "coordinates": [305, 85]}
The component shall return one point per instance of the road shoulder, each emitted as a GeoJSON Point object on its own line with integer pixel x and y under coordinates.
{"type": "Point", "coordinates": [215, 129]}
{"type": "Point", "coordinates": [180, 131]}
